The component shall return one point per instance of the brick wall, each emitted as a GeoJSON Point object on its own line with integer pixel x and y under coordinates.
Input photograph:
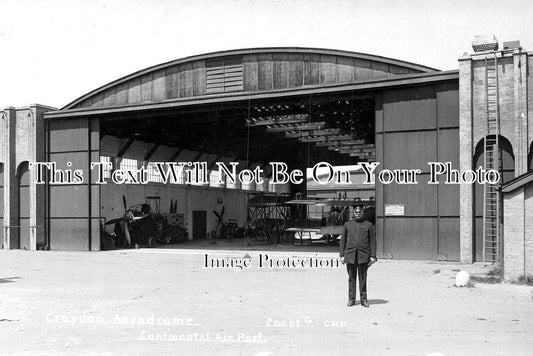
{"type": "Point", "coordinates": [513, 244]}
{"type": "Point", "coordinates": [530, 96]}
{"type": "Point", "coordinates": [515, 90]}
{"type": "Point", "coordinates": [466, 192]}
{"type": "Point", "coordinates": [528, 229]}
{"type": "Point", "coordinates": [3, 136]}
{"type": "Point", "coordinates": [22, 137]}
{"type": "Point", "coordinates": [506, 89]}
{"type": "Point", "coordinates": [518, 232]}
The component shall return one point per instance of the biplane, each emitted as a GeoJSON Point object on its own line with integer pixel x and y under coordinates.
{"type": "Point", "coordinates": [268, 216]}
{"type": "Point", "coordinates": [324, 222]}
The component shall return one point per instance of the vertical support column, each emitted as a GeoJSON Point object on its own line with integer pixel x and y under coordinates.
{"type": "Point", "coordinates": [94, 189]}
{"type": "Point", "coordinates": [466, 153]}
{"type": "Point", "coordinates": [11, 198]}
{"type": "Point", "coordinates": [521, 112]}
{"type": "Point", "coordinates": [36, 140]}
{"type": "Point", "coordinates": [32, 157]}
{"type": "Point", "coordinates": [188, 212]}
{"type": "Point", "coordinates": [380, 148]}
{"type": "Point", "coordinates": [3, 158]}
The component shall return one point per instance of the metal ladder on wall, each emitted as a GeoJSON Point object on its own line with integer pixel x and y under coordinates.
{"type": "Point", "coordinates": [491, 195]}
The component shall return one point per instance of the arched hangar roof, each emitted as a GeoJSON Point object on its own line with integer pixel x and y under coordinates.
{"type": "Point", "coordinates": [244, 70]}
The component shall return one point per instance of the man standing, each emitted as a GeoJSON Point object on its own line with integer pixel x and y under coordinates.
{"type": "Point", "coordinates": [358, 251]}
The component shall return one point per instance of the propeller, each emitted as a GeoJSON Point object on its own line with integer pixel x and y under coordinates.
{"type": "Point", "coordinates": [124, 204]}
{"type": "Point", "coordinates": [114, 221]}
{"type": "Point", "coordinates": [124, 220]}
{"type": "Point", "coordinates": [219, 220]}
{"type": "Point", "coordinates": [126, 228]}
{"type": "Point", "coordinates": [219, 216]}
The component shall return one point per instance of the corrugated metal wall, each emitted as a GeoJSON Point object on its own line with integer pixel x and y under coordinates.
{"type": "Point", "coordinates": [415, 126]}
{"type": "Point", "coordinates": [74, 209]}
{"type": "Point", "coordinates": [253, 72]}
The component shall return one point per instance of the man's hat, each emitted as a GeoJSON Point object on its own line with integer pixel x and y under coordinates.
{"type": "Point", "coordinates": [362, 203]}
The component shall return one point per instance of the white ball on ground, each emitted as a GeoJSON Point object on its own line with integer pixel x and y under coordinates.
{"type": "Point", "coordinates": [461, 279]}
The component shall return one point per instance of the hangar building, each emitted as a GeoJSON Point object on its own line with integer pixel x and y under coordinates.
{"type": "Point", "coordinates": [300, 106]}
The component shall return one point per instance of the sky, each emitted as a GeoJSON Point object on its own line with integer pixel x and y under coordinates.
{"type": "Point", "coordinates": [54, 51]}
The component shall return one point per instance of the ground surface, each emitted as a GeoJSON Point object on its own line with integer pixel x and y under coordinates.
{"type": "Point", "coordinates": [121, 302]}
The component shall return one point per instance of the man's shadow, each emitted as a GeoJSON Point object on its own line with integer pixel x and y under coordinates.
{"type": "Point", "coordinates": [8, 280]}
{"type": "Point", "coordinates": [376, 301]}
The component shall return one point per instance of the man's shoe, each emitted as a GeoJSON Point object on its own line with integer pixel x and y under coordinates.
{"type": "Point", "coordinates": [351, 303]}
{"type": "Point", "coordinates": [365, 303]}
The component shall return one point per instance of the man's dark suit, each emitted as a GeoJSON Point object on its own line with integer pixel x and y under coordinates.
{"type": "Point", "coordinates": [358, 244]}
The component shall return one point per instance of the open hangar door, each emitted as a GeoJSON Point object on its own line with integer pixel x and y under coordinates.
{"type": "Point", "coordinates": [292, 105]}
{"type": "Point", "coordinates": [299, 131]}
{"type": "Point", "coordinates": [413, 125]}
{"type": "Point", "coordinates": [133, 143]}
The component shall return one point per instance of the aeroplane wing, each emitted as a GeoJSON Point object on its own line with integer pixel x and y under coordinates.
{"type": "Point", "coordinates": [301, 229]}
{"type": "Point", "coordinates": [331, 230]}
